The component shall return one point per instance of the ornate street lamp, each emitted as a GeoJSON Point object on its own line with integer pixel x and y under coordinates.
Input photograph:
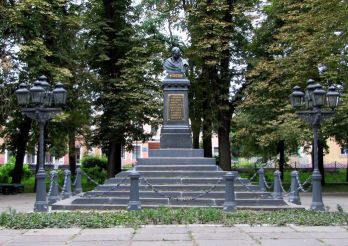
{"type": "Point", "coordinates": [36, 104]}
{"type": "Point", "coordinates": [314, 100]}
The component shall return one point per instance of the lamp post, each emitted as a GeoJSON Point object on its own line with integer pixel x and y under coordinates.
{"type": "Point", "coordinates": [314, 101]}
{"type": "Point", "coordinates": [36, 104]}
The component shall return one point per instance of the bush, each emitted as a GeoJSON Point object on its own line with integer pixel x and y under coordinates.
{"type": "Point", "coordinates": [6, 171]}
{"type": "Point", "coordinates": [89, 161]}
{"type": "Point", "coordinates": [97, 174]}
{"type": "Point", "coordinates": [96, 168]}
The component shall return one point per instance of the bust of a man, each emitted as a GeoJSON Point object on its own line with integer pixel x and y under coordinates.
{"type": "Point", "coordinates": [175, 64]}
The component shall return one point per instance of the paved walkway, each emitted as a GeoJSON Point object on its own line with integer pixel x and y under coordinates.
{"type": "Point", "coordinates": [181, 235]}
{"type": "Point", "coordinates": [185, 235]}
{"type": "Point", "coordinates": [25, 202]}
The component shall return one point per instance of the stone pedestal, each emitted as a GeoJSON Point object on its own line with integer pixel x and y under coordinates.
{"type": "Point", "coordinates": [176, 130]}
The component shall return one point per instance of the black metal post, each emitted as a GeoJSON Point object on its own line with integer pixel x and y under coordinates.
{"type": "Point", "coordinates": [317, 200]}
{"type": "Point", "coordinates": [41, 204]}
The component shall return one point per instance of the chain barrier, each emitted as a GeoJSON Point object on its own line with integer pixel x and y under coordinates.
{"type": "Point", "coordinates": [251, 179]}
{"type": "Point", "coordinates": [285, 193]}
{"type": "Point", "coordinates": [154, 189]}
{"type": "Point", "coordinates": [60, 187]}
{"type": "Point", "coordinates": [301, 186]}
{"type": "Point", "coordinates": [255, 174]}
{"type": "Point", "coordinates": [51, 183]}
{"type": "Point", "coordinates": [88, 177]}
{"type": "Point", "coordinates": [266, 184]}
{"type": "Point", "coordinates": [113, 188]}
{"type": "Point", "coordinates": [250, 190]}
{"type": "Point", "coordinates": [74, 183]}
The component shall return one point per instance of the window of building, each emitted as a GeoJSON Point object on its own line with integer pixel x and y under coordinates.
{"type": "Point", "coordinates": [136, 152]}
{"type": "Point", "coordinates": [344, 150]}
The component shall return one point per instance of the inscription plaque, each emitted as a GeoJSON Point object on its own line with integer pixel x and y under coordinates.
{"type": "Point", "coordinates": [176, 75]}
{"type": "Point", "coordinates": [176, 107]}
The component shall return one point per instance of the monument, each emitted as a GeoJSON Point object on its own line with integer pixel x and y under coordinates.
{"type": "Point", "coordinates": [176, 130]}
{"type": "Point", "coordinates": [175, 175]}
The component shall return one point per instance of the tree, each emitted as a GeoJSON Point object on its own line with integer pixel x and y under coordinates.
{"type": "Point", "coordinates": [127, 65]}
{"type": "Point", "coordinates": [45, 33]}
{"type": "Point", "coordinates": [307, 43]}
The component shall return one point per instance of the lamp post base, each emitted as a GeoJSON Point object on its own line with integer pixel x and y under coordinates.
{"type": "Point", "coordinates": [317, 201]}
{"type": "Point", "coordinates": [317, 206]}
{"type": "Point", "coordinates": [134, 205]}
{"type": "Point", "coordinates": [41, 206]}
{"type": "Point", "coordinates": [230, 206]}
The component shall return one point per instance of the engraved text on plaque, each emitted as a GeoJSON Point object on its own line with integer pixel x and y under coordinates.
{"type": "Point", "coordinates": [176, 107]}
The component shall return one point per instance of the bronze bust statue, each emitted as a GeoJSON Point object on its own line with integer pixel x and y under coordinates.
{"type": "Point", "coordinates": [175, 64]}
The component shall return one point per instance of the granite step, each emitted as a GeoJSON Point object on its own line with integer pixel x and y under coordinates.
{"type": "Point", "coordinates": [176, 153]}
{"type": "Point", "coordinates": [106, 207]}
{"type": "Point", "coordinates": [150, 194]}
{"type": "Point", "coordinates": [184, 201]}
{"type": "Point", "coordinates": [176, 187]}
{"type": "Point", "coordinates": [177, 174]}
{"type": "Point", "coordinates": [177, 168]}
{"type": "Point", "coordinates": [167, 180]}
{"type": "Point", "coordinates": [176, 161]}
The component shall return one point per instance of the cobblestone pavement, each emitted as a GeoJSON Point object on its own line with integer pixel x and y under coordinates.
{"type": "Point", "coordinates": [181, 235]}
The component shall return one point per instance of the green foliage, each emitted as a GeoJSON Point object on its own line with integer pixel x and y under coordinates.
{"type": "Point", "coordinates": [169, 216]}
{"type": "Point", "coordinates": [95, 173]}
{"type": "Point", "coordinates": [297, 41]}
{"type": "Point", "coordinates": [6, 171]}
{"type": "Point", "coordinates": [90, 161]}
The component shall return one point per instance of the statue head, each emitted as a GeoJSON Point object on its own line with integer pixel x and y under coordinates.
{"type": "Point", "coordinates": [176, 53]}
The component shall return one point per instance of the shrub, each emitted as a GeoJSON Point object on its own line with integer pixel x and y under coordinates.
{"type": "Point", "coordinates": [6, 171]}
{"type": "Point", "coordinates": [96, 168]}
{"type": "Point", "coordinates": [89, 161]}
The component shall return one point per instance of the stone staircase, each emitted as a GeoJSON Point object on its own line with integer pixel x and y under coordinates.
{"type": "Point", "coordinates": [173, 178]}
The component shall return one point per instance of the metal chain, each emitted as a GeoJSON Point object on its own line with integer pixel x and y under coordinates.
{"type": "Point", "coordinates": [183, 198]}
{"type": "Point", "coordinates": [60, 187]}
{"type": "Point", "coordinates": [251, 179]}
{"type": "Point", "coordinates": [249, 189]}
{"type": "Point", "coordinates": [301, 186]}
{"type": "Point", "coordinates": [111, 189]}
{"type": "Point", "coordinates": [266, 184]}
{"type": "Point", "coordinates": [281, 186]}
{"type": "Point", "coordinates": [51, 183]}
{"type": "Point", "coordinates": [88, 177]}
{"type": "Point", "coordinates": [74, 183]}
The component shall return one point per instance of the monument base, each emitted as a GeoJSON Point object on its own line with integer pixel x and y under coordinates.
{"type": "Point", "coordinates": [176, 137]}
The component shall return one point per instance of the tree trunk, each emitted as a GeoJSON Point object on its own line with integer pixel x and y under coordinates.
{"type": "Point", "coordinates": [72, 153]}
{"type": "Point", "coordinates": [321, 160]}
{"type": "Point", "coordinates": [114, 158]}
{"type": "Point", "coordinates": [224, 141]}
{"type": "Point", "coordinates": [196, 129]}
{"type": "Point", "coordinates": [21, 145]}
{"type": "Point", "coordinates": [347, 169]}
{"type": "Point", "coordinates": [221, 81]}
{"type": "Point", "coordinates": [207, 135]}
{"type": "Point", "coordinates": [281, 152]}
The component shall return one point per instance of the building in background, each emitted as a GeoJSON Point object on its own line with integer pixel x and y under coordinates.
{"type": "Point", "coordinates": [337, 155]}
